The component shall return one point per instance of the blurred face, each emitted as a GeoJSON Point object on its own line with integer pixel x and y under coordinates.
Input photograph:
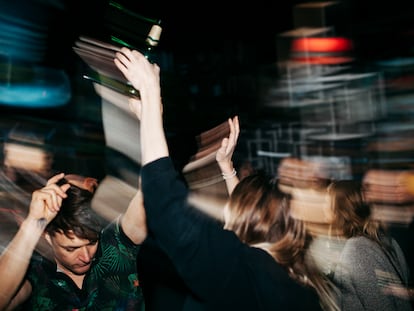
{"type": "Point", "coordinates": [72, 255]}
{"type": "Point", "coordinates": [328, 208]}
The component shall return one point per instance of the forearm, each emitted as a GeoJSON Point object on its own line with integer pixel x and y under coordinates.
{"type": "Point", "coordinates": [153, 140]}
{"type": "Point", "coordinates": [134, 220]}
{"type": "Point", "coordinates": [15, 259]}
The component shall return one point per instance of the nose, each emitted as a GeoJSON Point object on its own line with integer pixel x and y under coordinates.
{"type": "Point", "coordinates": [85, 255]}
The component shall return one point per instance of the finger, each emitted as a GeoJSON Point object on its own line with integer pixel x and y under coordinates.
{"type": "Point", "coordinates": [125, 54]}
{"type": "Point", "coordinates": [55, 179]}
{"type": "Point", "coordinates": [224, 143]}
{"type": "Point", "coordinates": [56, 194]}
{"type": "Point", "coordinates": [59, 197]}
{"type": "Point", "coordinates": [123, 60]}
{"type": "Point", "coordinates": [221, 152]}
{"type": "Point", "coordinates": [236, 125]}
{"type": "Point", "coordinates": [49, 199]}
{"type": "Point", "coordinates": [232, 135]}
{"type": "Point", "coordinates": [64, 188]}
{"type": "Point", "coordinates": [58, 190]}
{"type": "Point", "coordinates": [121, 66]}
{"type": "Point", "coordinates": [128, 53]}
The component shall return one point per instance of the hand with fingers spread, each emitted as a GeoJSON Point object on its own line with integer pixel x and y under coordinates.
{"type": "Point", "coordinates": [46, 202]}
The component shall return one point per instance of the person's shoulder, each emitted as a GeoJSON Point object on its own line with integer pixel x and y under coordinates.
{"type": "Point", "coordinates": [39, 267]}
{"type": "Point", "coordinates": [359, 247]}
{"type": "Point", "coordinates": [38, 259]}
{"type": "Point", "coordinates": [359, 242]}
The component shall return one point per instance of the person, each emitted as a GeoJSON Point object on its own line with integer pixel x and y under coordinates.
{"type": "Point", "coordinates": [221, 271]}
{"type": "Point", "coordinates": [369, 264]}
{"type": "Point", "coordinates": [92, 265]}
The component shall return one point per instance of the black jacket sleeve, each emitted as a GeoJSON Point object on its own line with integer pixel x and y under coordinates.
{"type": "Point", "coordinates": [204, 254]}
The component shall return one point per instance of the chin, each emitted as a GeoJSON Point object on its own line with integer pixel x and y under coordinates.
{"type": "Point", "coordinates": [81, 270]}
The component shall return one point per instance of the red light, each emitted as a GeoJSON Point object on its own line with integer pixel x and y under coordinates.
{"type": "Point", "coordinates": [322, 45]}
{"type": "Point", "coordinates": [323, 60]}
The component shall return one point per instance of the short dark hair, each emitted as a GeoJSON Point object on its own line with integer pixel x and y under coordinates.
{"type": "Point", "coordinates": [76, 216]}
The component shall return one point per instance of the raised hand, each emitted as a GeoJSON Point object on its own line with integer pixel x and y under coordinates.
{"type": "Point", "coordinates": [228, 145]}
{"type": "Point", "coordinates": [137, 69]}
{"type": "Point", "coordinates": [46, 202]}
{"type": "Point", "coordinates": [143, 75]}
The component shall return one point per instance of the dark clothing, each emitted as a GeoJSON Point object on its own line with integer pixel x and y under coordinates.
{"type": "Point", "coordinates": [162, 286]}
{"type": "Point", "coordinates": [221, 272]}
{"type": "Point", "coordinates": [110, 284]}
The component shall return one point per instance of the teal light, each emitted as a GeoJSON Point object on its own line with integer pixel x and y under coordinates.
{"type": "Point", "coordinates": [42, 88]}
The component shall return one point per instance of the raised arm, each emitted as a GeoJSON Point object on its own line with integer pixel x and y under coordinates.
{"type": "Point", "coordinates": [145, 77]}
{"type": "Point", "coordinates": [225, 153]}
{"type": "Point", "coordinates": [185, 236]}
{"type": "Point", "coordinates": [133, 221]}
{"type": "Point", "coordinates": [15, 259]}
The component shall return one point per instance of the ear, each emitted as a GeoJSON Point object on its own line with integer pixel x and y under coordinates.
{"type": "Point", "coordinates": [90, 184]}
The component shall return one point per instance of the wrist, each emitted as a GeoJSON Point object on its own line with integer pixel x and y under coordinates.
{"type": "Point", "coordinates": [226, 167]}
{"type": "Point", "coordinates": [34, 225]}
{"type": "Point", "coordinates": [232, 174]}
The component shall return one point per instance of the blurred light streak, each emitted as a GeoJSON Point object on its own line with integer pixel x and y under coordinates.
{"type": "Point", "coordinates": [28, 158]}
{"type": "Point", "coordinates": [21, 39]}
{"type": "Point", "coordinates": [319, 44]}
{"type": "Point", "coordinates": [390, 193]}
{"type": "Point", "coordinates": [24, 80]}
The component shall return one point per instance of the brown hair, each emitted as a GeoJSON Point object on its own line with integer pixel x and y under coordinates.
{"type": "Point", "coordinates": [76, 216]}
{"type": "Point", "coordinates": [351, 214]}
{"type": "Point", "coordinates": [260, 213]}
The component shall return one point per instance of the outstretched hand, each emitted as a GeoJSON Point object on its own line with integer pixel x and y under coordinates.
{"type": "Point", "coordinates": [46, 202]}
{"type": "Point", "coordinates": [228, 145]}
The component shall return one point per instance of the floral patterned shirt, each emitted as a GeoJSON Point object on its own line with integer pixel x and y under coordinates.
{"type": "Point", "coordinates": [111, 283]}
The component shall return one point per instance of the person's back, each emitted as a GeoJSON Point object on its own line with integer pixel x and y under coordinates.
{"type": "Point", "coordinates": [221, 272]}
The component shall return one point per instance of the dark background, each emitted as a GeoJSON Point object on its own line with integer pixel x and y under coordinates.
{"type": "Point", "coordinates": [209, 43]}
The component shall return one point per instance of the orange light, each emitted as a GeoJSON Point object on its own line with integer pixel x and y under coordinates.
{"type": "Point", "coordinates": [322, 45]}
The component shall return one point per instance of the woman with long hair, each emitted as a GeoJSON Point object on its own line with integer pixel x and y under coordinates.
{"type": "Point", "coordinates": [369, 264]}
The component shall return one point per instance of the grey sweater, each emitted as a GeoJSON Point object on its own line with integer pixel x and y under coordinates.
{"type": "Point", "coordinates": [362, 270]}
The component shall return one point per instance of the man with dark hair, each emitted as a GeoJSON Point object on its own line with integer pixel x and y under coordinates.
{"type": "Point", "coordinates": [93, 267]}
